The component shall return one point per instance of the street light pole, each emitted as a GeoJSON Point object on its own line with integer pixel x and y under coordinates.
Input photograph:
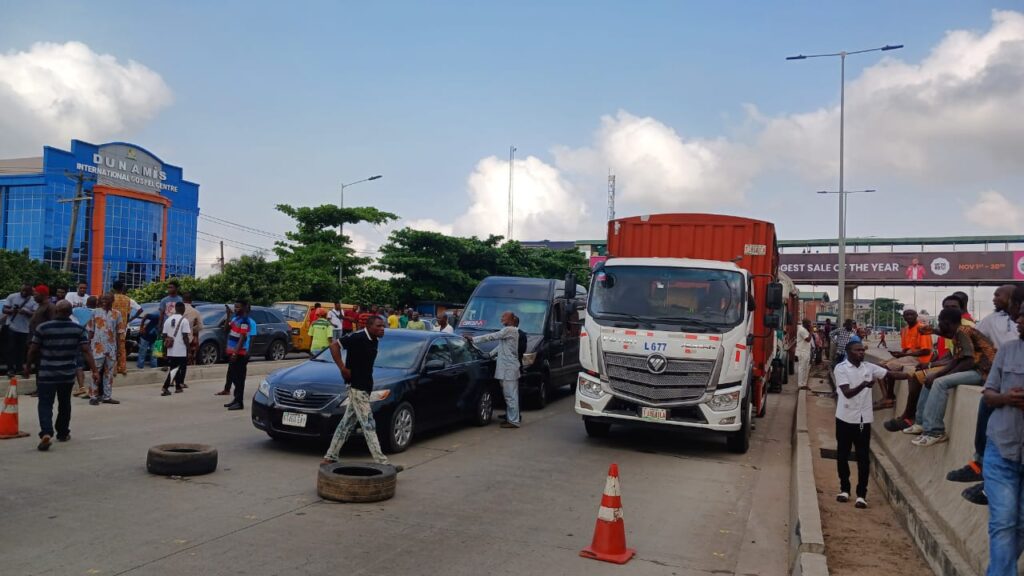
{"type": "Point", "coordinates": [341, 226]}
{"type": "Point", "coordinates": [842, 128]}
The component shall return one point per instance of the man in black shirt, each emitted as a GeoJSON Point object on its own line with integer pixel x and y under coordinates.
{"type": "Point", "coordinates": [55, 348]}
{"type": "Point", "coordinates": [358, 375]}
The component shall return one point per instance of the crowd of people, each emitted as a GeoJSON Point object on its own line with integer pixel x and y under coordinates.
{"type": "Point", "coordinates": [934, 360]}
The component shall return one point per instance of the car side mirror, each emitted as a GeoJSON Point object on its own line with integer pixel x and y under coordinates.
{"type": "Point", "coordinates": [434, 365]}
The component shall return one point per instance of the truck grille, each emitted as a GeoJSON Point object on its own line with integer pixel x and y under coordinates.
{"type": "Point", "coordinates": [312, 401]}
{"type": "Point", "coordinates": [683, 380]}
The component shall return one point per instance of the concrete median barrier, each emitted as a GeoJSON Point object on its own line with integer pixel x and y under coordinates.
{"type": "Point", "coordinates": [807, 541]}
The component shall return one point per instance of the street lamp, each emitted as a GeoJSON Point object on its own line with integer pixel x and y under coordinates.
{"type": "Point", "coordinates": [842, 115]}
{"type": "Point", "coordinates": [341, 226]}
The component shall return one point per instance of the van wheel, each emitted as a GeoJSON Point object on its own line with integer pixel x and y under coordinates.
{"type": "Point", "coordinates": [540, 398]}
{"type": "Point", "coordinates": [739, 441]}
{"type": "Point", "coordinates": [596, 429]}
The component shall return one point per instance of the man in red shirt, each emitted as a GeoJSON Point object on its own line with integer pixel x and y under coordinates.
{"type": "Point", "coordinates": [351, 318]}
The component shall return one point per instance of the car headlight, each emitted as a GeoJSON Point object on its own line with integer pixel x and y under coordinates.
{"type": "Point", "coordinates": [528, 359]}
{"type": "Point", "coordinates": [378, 395]}
{"type": "Point", "coordinates": [265, 388]}
{"type": "Point", "coordinates": [589, 388]}
{"type": "Point", "coordinates": [725, 402]}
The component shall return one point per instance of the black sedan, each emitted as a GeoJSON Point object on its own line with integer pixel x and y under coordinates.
{"type": "Point", "coordinates": [422, 380]}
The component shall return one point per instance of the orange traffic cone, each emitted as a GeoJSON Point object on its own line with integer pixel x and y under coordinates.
{"type": "Point", "coordinates": [609, 542]}
{"type": "Point", "coordinates": [9, 414]}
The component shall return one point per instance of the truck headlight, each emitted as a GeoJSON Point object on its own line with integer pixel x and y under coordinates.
{"type": "Point", "coordinates": [589, 388]}
{"type": "Point", "coordinates": [265, 387]}
{"type": "Point", "coordinates": [725, 402]}
{"type": "Point", "coordinates": [528, 359]}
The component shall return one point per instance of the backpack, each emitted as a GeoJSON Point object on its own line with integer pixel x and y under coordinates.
{"type": "Point", "coordinates": [522, 345]}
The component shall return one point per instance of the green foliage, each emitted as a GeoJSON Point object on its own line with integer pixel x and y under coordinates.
{"type": "Point", "coordinates": [250, 277]}
{"type": "Point", "coordinates": [154, 291]}
{"type": "Point", "coordinates": [884, 309]}
{"type": "Point", "coordinates": [17, 267]}
{"type": "Point", "coordinates": [433, 266]}
{"type": "Point", "coordinates": [368, 291]}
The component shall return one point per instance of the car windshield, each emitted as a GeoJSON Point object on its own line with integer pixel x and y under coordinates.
{"type": "Point", "coordinates": [484, 313]}
{"type": "Point", "coordinates": [666, 295]}
{"type": "Point", "coordinates": [392, 352]}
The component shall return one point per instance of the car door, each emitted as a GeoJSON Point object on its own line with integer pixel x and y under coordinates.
{"type": "Point", "coordinates": [471, 376]}
{"type": "Point", "coordinates": [260, 339]}
{"type": "Point", "coordinates": [435, 385]}
{"type": "Point", "coordinates": [571, 346]}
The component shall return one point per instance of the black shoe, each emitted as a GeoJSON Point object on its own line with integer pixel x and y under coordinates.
{"type": "Point", "coordinates": [183, 385]}
{"type": "Point", "coordinates": [976, 494]}
{"type": "Point", "coordinates": [236, 407]}
{"type": "Point", "coordinates": [63, 438]}
{"type": "Point", "coordinates": [94, 401]}
{"type": "Point", "coordinates": [44, 443]}
{"type": "Point", "coordinates": [507, 424]}
{"type": "Point", "coordinates": [110, 401]}
{"type": "Point", "coordinates": [165, 392]}
{"type": "Point", "coordinates": [178, 390]}
{"type": "Point", "coordinates": [398, 468]}
{"type": "Point", "coordinates": [230, 404]}
{"type": "Point", "coordinates": [966, 474]}
{"type": "Point", "coordinates": [897, 425]}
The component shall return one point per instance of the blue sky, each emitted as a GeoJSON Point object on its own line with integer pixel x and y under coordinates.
{"type": "Point", "coordinates": [277, 102]}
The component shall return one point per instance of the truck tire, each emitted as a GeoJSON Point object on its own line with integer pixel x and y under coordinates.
{"type": "Point", "coordinates": [763, 410]}
{"type": "Point", "coordinates": [596, 429]}
{"type": "Point", "coordinates": [356, 482]}
{"type": "Point", "coordinates": [181, 459]}
{"type": "Point", "coordinates": [739, 441]}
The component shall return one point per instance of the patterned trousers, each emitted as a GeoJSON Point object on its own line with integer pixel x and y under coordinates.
{"type": "Point", "coordinates": [357, 411]}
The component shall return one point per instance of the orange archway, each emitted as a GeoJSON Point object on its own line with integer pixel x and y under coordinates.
{"type": "Point", "coordinates": [98, 230]}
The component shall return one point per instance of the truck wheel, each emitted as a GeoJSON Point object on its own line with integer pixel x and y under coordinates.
{"type": "Point", "coordinates": [181, 459]}
{"type": "Point", "coordinates": [596, 429]}
{"type": "Point", "coordinates": [739, 441]}
{"type": "Point", "coordinates": [356, 482]}
{"type": "Point", "coordinates": [764, 406]}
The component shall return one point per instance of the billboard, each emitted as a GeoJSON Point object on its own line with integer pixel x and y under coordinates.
{"type": "Point", "coordinates": [906, 267]}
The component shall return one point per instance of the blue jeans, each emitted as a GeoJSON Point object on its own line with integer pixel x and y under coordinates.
{"type": "Point", "coordinates": [931, 406]}
{"type": "Point", "coordinates": [61, 391]}
{"type": "Point", "coordinates": [145, 349]}
{"type": "Point", "coordinates": [510, 389]}
{"type": "Point", "coordinates": [981, 430]}
{"type": "Point", "coordinates": [1004, 486]}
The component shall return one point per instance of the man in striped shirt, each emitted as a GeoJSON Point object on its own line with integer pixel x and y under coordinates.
{"type": "Point", "coordinates": [54, 349]}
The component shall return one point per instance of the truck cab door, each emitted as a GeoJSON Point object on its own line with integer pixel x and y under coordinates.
{"type": "Point", "coordinates": [571, 341]}
{"type": "Point", "coordinates": [555, 342]}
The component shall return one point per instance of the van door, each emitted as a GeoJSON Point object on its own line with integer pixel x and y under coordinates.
{"type": "Point", "coordinates": [571, 342]}
{"type": "Point", "coordinates": [555, 342]}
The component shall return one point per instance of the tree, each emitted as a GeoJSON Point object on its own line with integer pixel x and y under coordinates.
{"type": "Point", "coordinates": [369, 291]}
{"type": "Point", "coordinates": [885, 309]}
{"type": "Point", "coordinates": [250, 277]}
{"type": "Point", "coordinates": [315, 251]}
{"type": "Point", "coordinates": [154, 291]}
{"type": "Point", "coordinates": [18, 267]}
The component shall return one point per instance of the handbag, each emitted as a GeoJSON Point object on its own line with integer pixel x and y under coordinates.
{"type": "Point", "coordinates": [168, 341]}
{"type": "Point", "coordinates": [158, 348]}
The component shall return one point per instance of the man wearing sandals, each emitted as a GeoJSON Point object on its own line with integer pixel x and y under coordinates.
{"type": "Point", "coordinates": [914, 353]}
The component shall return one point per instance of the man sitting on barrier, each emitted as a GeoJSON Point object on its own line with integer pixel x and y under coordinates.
{"type": "Point", "coordinates": [915, 352]}
{"type": "Point", "coordinates": [972, 355]}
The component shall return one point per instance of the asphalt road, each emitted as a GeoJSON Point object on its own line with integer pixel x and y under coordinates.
{"type": "Point", "coordinates": [471, 501]}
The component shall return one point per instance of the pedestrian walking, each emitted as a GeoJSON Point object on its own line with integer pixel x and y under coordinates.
{"type": "Point", "coordinates": [177, 332]}
{"type": "Point", "coordinates": [195, 321]}
{"type": "Point", "coordinates": [803, 352]}
{"type": "Point", "coordinates": [321, 331]}
{"type": "Point", "coordinates": [18, 312]}
{"type": "Point", "coordinates": [55, 348]}
{"type": "Point", "coordinates": [881, 340]}
{"type": "Point", "coordinates": [854, 415]}
{"type": "Point", "coordinates": [357, 371]}
{"type": "Point", "coordinates": [336, 316]}
{"type": "Point", "coordinates": [507, 368]}
{"type": "Point", "coordinates": [122, 304]}
{"type": "Point", "coordinates": [106, 346]}
{"type": "Point", "coordinates": [240, 331]}
{"type": "Point", "coordinates": [82, 316]}
{"type": "Point", "coordinates": [149, 332]}
{"type": "Point", "coordinates": [415, 323]}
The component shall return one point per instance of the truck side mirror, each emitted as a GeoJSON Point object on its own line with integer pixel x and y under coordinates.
{"type": "Point", "coordinates": [570, 287]}
{"type": "Point", "coordinates": [772, 320]}
{"type": "Point", "coordinates": [773, 295]}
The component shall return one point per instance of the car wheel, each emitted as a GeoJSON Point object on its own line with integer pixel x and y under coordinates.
{"type": "Point", "coordinates": [356, 482]}
{"type": "Point", "coordinates": [739, 441]}
{"type": "Point", "coordinates": [396, 434]}
{"type": "Point", "coordinates": [484, 409]}
{"type": "Point", "coordinates": [596, 429]}
{"type": "Point", "coordinates": [276, 351]}
{"type": "Point", "coordinates": [181, 459]}
{"type": "Point", "coordinates": [209, 353]}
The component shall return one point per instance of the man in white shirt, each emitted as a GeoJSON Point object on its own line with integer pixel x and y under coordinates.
{"type": "Point", "coordinates": [177, 331]}
{"type": "Point", "coordinates": [803, 352]}
{"type": "Point", "coordinates": [79, 298]}
{"type": "Point", "coordinates": [337, 319]}
{"type": "Point", "coordinates": [999, 326]}
{"type": "Point", "coordinates": [854, 414]}
{"type": "Point", "coordinates": [443, 325]}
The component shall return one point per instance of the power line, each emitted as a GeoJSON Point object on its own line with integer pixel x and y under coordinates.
{"type": "Point", "coordinates": [242, 227]}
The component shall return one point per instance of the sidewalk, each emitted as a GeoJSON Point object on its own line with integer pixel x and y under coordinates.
{"type": "Point", "coordinates": [857, 542]}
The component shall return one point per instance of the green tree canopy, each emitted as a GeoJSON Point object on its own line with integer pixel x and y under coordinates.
{"type": "Point", "coordinates": [18, 267]}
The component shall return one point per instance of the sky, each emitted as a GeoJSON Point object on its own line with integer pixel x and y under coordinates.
{"type": "Point", "coordinates": [691, 105]}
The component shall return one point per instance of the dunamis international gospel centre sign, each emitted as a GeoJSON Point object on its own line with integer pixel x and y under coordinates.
{"type": "Point", "coordinates": [125, 166]}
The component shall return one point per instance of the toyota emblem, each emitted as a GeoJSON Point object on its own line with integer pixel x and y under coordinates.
{"type": "Point", "coordinates": [299, 394]}
{"type": "Point", "coordinates": [657, 363]}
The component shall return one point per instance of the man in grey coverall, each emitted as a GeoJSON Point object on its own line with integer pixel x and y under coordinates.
{"type": "Point", "coordinates": [507, 368]}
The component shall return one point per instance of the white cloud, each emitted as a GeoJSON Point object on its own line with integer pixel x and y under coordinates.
{"type": "Point", "coordinates": [995, 212]}
{"type": "Point", "coordinates": [428, 225]}
{"type": "Point", "coordinates": [55, 92]}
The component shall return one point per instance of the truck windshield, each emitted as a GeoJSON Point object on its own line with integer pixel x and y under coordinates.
{"type": "Point", "coordinates": [484, 313]}
{"type": "Point", "coordinates": [652, 294]}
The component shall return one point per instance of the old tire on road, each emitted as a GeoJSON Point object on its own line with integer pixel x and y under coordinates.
{"type": "Point", "coordinates": [356, 482]}
{"type": "Point", "coordinates": [181, 459]}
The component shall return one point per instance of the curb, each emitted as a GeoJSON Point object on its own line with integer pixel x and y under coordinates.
{"type": "Point", "coordinates": [807, 541]}
{"type": "Point", "coordinates": [938, 551]}
{"type": "Point", "coordinates": [155, 376]}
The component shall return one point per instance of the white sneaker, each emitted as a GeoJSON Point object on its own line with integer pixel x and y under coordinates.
{"type": "Point", "coordinates": [861, 503]}
{"type": "Point", "coordinates": [916, 430]}
{"type": "Point", "coordinates": [926, 440]}
{"type": "Point", "coordinates": [843, 497]}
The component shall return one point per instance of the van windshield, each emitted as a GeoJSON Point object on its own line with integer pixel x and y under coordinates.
{"type": "Point", "coordinates": [668, 295]}
{"type": "Point", "coordinates": [484, 313]}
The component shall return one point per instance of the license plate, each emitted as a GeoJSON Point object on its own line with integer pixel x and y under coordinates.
{"type": "Point", "coordinates": [293, 419]}
{"type": "Point", "coordinates": [653, 413]}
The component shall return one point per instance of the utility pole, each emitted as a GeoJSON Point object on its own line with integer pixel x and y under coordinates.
{"type": "Point", "coordinates": [611, 195]}
{"type": "Point", "coordinates": [222, 256]}
{"type": "Point", "coordinates": [80, 180]}
{"type": "Point", "coordinates": [511, 171]}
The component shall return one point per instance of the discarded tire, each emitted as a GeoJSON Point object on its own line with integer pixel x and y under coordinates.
{"type": "Point", "coordinates": [181, 459]}
{"type": "Point", "coordinates": [359, 482]}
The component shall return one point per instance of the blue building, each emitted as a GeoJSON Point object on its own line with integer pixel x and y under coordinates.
{"type": "Point", "coordinates": [136, 220]}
